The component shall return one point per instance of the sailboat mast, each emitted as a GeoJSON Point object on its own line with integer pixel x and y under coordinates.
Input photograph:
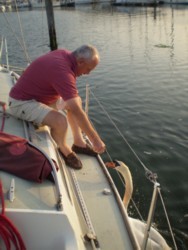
{"type": "Point", "coordinates": [51, 24]}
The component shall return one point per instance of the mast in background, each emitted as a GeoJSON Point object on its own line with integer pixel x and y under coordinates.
{"type": "Point", "coordinates": [51, 24]}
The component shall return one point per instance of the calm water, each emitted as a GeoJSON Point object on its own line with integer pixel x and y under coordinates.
{"type": "Point", "coordinates": [142, 82]}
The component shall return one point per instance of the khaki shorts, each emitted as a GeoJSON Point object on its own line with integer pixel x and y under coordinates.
{"type": "Point", "coordinates": [30, 110]}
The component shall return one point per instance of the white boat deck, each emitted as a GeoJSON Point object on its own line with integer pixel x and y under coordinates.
{"type": "Point", "coordinates": [90, 201]}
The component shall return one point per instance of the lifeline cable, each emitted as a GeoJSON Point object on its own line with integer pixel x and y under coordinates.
{"type": "Point", "coordinates": [149, 174]}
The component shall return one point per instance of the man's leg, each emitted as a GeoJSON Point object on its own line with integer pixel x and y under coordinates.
{"type": "Point", "coordinates": [58, 125]}
{"type": "Point", "coordinates": [39, 113]}
{"type": "Point", "coordinates": [76, 131]}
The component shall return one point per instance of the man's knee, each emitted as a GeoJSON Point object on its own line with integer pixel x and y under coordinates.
{"type": "Point", "coordinates": [55, 120]}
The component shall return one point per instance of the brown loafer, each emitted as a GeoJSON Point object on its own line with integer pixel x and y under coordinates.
{"type": "Point", "coordinates": [87, 150]}
{"type": "Point", "coordinates": [72, 160]}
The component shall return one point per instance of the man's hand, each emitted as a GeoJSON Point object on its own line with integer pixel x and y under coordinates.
{"type": "Point", "coordinates": [98, 146]}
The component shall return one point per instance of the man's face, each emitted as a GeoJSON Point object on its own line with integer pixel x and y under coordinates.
{"type": "Point", "coordinates": [84, 66]}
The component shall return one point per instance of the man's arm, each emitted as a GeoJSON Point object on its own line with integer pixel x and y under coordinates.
{"type": "Point", "coordinates": [75, 107]}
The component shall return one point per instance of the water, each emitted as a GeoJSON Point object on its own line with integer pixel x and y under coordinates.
{"type": "Point", "coordinates": [142, 82]}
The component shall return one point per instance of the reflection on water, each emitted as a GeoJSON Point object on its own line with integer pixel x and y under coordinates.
{"type": "Point", "coordinates": [141, 82]}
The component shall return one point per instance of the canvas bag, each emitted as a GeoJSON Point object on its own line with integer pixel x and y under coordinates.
{"type": "Point", "coordinates": [19, 158]}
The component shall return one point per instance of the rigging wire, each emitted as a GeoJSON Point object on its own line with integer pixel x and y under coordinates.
{"type": "Point", "coordinates": [22, 36]}
{"type": "Point", "coordinates": [109, 156]}
{"type": "Point", "coordinates": [21, 45]}
{"type": "Point", "coordinates": [151, 176]}
{"type": "Point", "coordinates": [42, 25]}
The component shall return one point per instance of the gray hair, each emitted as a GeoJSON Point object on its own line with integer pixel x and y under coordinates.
{"type": "Point", "coordinates": [87, 52]}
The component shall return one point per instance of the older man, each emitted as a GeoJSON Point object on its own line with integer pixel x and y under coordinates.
{"type": "Point", "coordinates": [48, 78]}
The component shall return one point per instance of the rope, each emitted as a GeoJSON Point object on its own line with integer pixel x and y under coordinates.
{"type": "Point", "coordinates": [8, 231]}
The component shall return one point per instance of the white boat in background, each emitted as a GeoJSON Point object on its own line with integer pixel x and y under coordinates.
{"type": "Point", "coordinates": [77, 2]}
{"type": "Point", "coordinates": [183, 2]}
{"type": "Point", "coordinates": [48, 205]}
{"type": "Point", "coordinates": [41, 3]}
{"type": "Point", "coordinates": [5, 5]}
{"type": "Point", "coordinates": [35, 4]}
{"type": "Point", "coordinates": [137, 2]}
{"type": "Point", "coordinates": [22, 4]}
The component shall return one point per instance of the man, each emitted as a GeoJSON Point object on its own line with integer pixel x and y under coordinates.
{"type": "Point", "coordinates": [48, 78]}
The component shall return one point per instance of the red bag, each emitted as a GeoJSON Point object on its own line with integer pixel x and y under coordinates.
{"type": "Point", "coordinates": [19, 158]}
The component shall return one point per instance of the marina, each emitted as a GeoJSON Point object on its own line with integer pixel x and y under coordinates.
{"type": "Point", "coordinates": [146, 104]}
{"type": "Point", "coordinates": [39, 4]}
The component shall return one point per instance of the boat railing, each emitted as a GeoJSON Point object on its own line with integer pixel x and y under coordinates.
{"type": "Point", "coordinates": [150, 215]}
{"type": "Point", "coordinates": [59, 204]}
{"type": "Point", "coordinates": [27, 128]}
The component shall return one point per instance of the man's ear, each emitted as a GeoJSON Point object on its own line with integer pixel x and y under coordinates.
{"type": "Point", "coordinates": [80, 61]}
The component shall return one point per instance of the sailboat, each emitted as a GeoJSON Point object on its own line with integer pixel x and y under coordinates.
{"type": "Point", "coordinates": [47, 205]}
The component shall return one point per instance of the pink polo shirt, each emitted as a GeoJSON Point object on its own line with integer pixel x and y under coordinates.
{"type": "Point", "coordinates": [47, 78]}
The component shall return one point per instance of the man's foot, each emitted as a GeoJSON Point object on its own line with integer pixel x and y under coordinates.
{"type": "Point", "coordinates": [72, 160]}
{"type": "Point", "coordinates": [87, 150]}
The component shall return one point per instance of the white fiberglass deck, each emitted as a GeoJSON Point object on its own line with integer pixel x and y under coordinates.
{"type": "Point", "coordinates": [89, 200]}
